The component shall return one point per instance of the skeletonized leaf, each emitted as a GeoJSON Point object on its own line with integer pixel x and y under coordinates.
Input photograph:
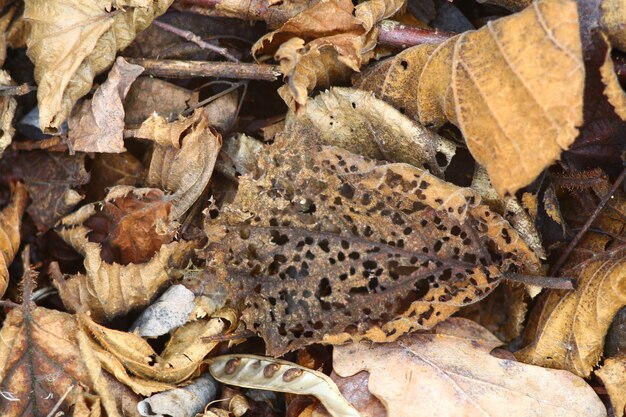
{"type": "Point", "coordinates": [97, 125]}
{"type": "Point", "coordinates": [517, 99]}
{"type": "Point", "coordinates": [251, 371]}
{"type": "Point", "coordinates": [325, 245]}
{"type": "Point", "coordinates": [613, 375]}
{"type": "Point", "coordinates": [71, 41]}
{"type": "Point", "coordinates": [451, 373]}
{"type": "Point", "coordinates": [10, 225]}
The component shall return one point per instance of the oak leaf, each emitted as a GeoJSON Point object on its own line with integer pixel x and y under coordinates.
{"type": "Point", "coordinates": [97, 125]}
{"type": "Point", "coordinates": [613, 375]}
{"type": "Point", "coordinates": [324, 245]}
{"type": "Point", "coordinates": [10, 225]}
{"type": "Point", "coordinates": [516, 99]}
{"type": "Point", "coordinates": [70, 42]}
{"type": "Point", "coordinates": [451, 373]}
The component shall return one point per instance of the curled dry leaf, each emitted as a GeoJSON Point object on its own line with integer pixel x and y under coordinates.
{"type": "Point", "coordinates": [97, 125]}
{"type": "Point", "coordinates": [181, 402]}
{"type": "Point", "coordinates": [51, 179]}
{"type": "Point", "coordinates": [354, 389]}
{"type": "Point", "coordinates": [451, 373]}
{"type": "Point", "coordinates": [10, 225]}
{"type": "Point", "coordinates": [612, 88]}
{"type": "Point", "coordinates": [72, 41]}
{"type": "Point", "coordinates": [517, 100]}
{"type": "Point", "coordinates": [613, 376]}
{"type": "Point", "coordinates": [359, 122]}
{"type": "Point", "coordinates": [324, 245]}
{"type": "Point", "coordinates": [567, 330]}
{"type": "Point", "coordinates": [251, 371]}
{"type": "Point", "coordinates": [7, 111]}
{"type": "Point", "coordinates": [168, 312]}
{"type": "Point", "coordinates": [182, 164]}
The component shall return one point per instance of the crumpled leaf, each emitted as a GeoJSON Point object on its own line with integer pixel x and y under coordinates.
{"type": "Point", "coordinates": [354, 389]}
{"type": "Point", "coordinates": [327, 245]}
{"type": "Point", "coordinates": [517, 100]}
{"type": "Point", "coordinates": [10, 225]}
{"type": "Point", "coordinates": [359, 122]}
{"type": "Point", "coordinates": [567, 330]}
{"type": "Point", "coordinates": [131, 224]}
{"type": "Point", "coordinates": [238, 156]}
{"type": "Point", "coordinates": [181, 402]}
{"type": "Point", "coordinates": [97, 125]}
{"type": "Point", "coordinates": [169, 311]}
{"type": "Point", "coordinates": [7, 112]}
{"type": "Point", "coordinates": [72, 41]}
{"type": "Point", "coordinates": [613, 376]}
{"type": "Point", "coordinates": [51, 179]}
{"type": "Point", "coordinates": [110, 289]}
{"type": "Point", "coordinates": [451, 373]}
{"type": "Point", "coordinates": [182, 164]}
{"type": "Point", "coordinates": [259, 372]}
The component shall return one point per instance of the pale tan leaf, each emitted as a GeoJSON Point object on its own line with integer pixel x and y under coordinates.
{"type": "Point", "coordinates": [614, 21]}
{"type": "Point", "coordinates": [613, 90]}
{"type": "Point", "coordinates": [97, 125]}
{"type": "Point", "coordinates": [354, 389]}
{"type": "Point", "coordinates": [71, 41]}
{"type": "Point", "coordinates": [251, 371]}
{"type": "Point", "coordinates": [7, 112]}
{"type": "Point", "coordinates": [613, 376]}
{"type": "Point", "coordinates": [451, 373]}
{"type": "Point", "coordinates": [10, 225]}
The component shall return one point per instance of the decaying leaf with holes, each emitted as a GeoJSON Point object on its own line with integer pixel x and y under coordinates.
{"type": "Point", "coordinates": [109, 288]}
{"type": "Point", "coordinates": [324, 245]}
{"type": "Point", "coordinates": [517, 100]}
{"type": "Point", "coordinates": [10, 225]}
{"type": "Point", "coordinates": [251, 371]}
{"type": "Point", "coordinates": [567, 330]}
{"type": "Point", "coordinates": [451, 373]}
{"type": "Point", "coordinates": [613, 376]}
{"type": "Point", "coordinates": [70, 42]}
{"type": "Point", "coordinates": [183, 158]}
{"type": "Point", "coordinates": [359, 122]}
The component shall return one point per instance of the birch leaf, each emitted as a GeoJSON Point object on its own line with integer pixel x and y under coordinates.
{"type": "Point", "coordinates": [72, 41]}
{"type": "Point", "coordinates": [10, 225]}
{"type": "Point", "coordinates": [451, 373]}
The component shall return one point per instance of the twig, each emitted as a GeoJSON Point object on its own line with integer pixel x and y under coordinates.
{"type": "Point", "coordinates": [53, 144]}
{"type": "Point", "coordinates": [188, 69]}
{"type": "Point", "coordinates": [192, 37]}
{"type": "Point", "coordinates": [560, 283]}
{"type": "Point", "coordinates": [559, 263]}
{"type": "Point", "coordinates": [16, 90]}
{"type": "Point", "coordinates": [397, 35]}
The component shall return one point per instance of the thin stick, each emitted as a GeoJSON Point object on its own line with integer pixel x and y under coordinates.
{"type": "Point", "coordinates": [397, 35]}
{"type": "Point", "coordinates": [189, 69]}
{"type": "Point", "coordinates": [16, 90]}
{"type": "Point", "coordinates": [557, 283]}
{"type": "Point", "coordinates": [559, 263]}
{"type": "Point", "coordinates": [192, 37]}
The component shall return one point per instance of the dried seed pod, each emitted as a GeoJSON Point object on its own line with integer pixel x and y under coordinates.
{"type": "Point", "coordinates": [251, 371]}
{"type": "Point", "coordinates": [238, 405]}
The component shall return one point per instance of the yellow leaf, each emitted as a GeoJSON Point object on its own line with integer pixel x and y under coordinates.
{"type": "Point", "coordinates": [10, 225]}
{"type": "Point", "coordinates": [613, 375]}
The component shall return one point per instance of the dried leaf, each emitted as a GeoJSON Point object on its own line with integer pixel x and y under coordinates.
{"type": "Point", "coordinates": [168, 312]}
{"type": "Point", "coordinates": [7, 112]}
{"type": "Point", "coordinates": [183, 166]}
{"type": "Point", "coordinates": [613, 90]}
{"type": "Point", "coordinates": [238, 156]}
{"type": "Point", "coordinates": [111, 169]}
{"type": "Point", "coordinates": [97, 125]}
{"type": "Point", "coordinates": [181, 402]}
{"type": "Point", "coordinates": [614, 23]}
{"type": "Point", "coordinates": [251, 371]}
{"type": "Point", "coordinates": [357, 121]}
{"type": "Point", "coordinates": [354, 389]}
{"type": "Point", "coordinates": [451, 373]}
{"type": "Point", "coordinates": [50, 179]}
{"type": "Point", "coordinates": [329, 245]}
{"type": "Point", "coordinates": [613, 376]}
{"type": "Point", "coordinates": [517, 100]}
{"type": "Point", "coordinates": [10, 225]}
{"type": "Point", "coordinates": [72, 41]}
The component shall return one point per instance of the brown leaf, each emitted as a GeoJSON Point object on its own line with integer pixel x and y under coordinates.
{"type": "Point", "coordinates": [567, 330]}
{"type": "Point", "coordinates": [451, 373]}
{"type": "Point", "coordinates": [613, 376]}
{"type": "Point", "coordinates": [10, 225]}
{"type": "Point", "coordinates": [339, 245]}
{"type": "Point", "coordinates": [183, 158]}
{"type": "Point", "coordinates": [7, 112]}
{"type": "Point", "coordinates": [517, 100]}
{"type": "Point", "coordinates": [354, 389]}
{"type": "Point", "coordinates": [51, 179]}
{"type": "Point", "coordinates": [130, 224]}
{"type": "Point", "coordinates": [111, 169]}
{"type": "Point", "coordinates": [72, 41]}
{"type": "Point", "coordinates": [97, 125]}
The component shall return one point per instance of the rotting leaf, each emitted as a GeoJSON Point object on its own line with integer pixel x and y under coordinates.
{"type": "Point", "coordinates": [50, 179]}
{"type": "Point", "coordinates": [183, 158]}
{"type": "Point", "coordinates": [359, 122]}
{"type": "Point", "coordinates": [517, 100]}
{"type": "Point", "coordinates": [451, 373]}
{"type": "Point", "coordinates": [327, 245]}
{"type": "Point", "coordinates": [72, 41]}
{"type": "Point", "coordinates": [10, 225]}
{"type": "Point", "coordinates": [613, 376]}
{"type": "Point", "coordinates": [251, 371]}
{"type": "Point", "coordinates": [97, 125]}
